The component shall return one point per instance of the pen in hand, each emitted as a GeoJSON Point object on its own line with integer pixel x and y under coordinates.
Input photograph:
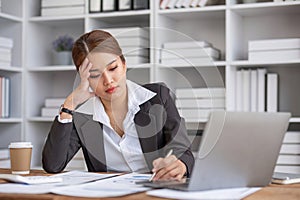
{"type": "Point", "coordinates": [168, 154]}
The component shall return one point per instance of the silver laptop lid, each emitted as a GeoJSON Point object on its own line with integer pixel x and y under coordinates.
{"type": "Point", "coordinates": [238, 149]}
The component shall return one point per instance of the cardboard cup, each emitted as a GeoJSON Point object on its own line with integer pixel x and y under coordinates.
{"type": "Point", "coordinates": [20, 157]}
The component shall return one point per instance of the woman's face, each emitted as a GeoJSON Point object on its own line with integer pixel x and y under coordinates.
{"type": "Point", "coordinates": [107, 76]}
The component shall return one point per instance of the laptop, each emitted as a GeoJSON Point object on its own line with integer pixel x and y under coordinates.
{"type": "Point", "coordinates": [238, 149]}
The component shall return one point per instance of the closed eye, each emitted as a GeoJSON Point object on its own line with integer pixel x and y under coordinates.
{"type": "Point", "coordinates": [95, 76]}
{"type": "Point", "coordinates": [112, 69]}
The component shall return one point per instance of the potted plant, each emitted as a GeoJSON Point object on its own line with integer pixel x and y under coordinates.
{"type": "Point", "coordinates": [62, 47]}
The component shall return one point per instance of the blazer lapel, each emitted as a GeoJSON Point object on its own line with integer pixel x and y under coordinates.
{"type": "Point", "coordinates": [146, 127]}
{"type": "Point", "coordinates": [91, 135]}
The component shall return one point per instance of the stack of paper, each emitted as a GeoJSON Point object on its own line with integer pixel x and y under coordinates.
{"type": "Point", "coordinates": [66, 7]}
{"type": "Point", "coordinates": [193, 53]}
{"type": "Point", "coordinates": [274, 50]}
{"type": "Point", "coordinates": [51, 107]}
{"type": "Point", "coordinates": [134, 42]}
{"type": "Point", "coordinates": [6, 45]}
{"type": "Point", "coordinates": [256, 90]}
{"type": "Point", "coordinates": [195, 104]}
{"type": "Point", "coordinates": [4, 97]}
{"type": "Point", "coordinates": [84, 184]}
{"type": "Point", "coordinates": [289, 157]}
{"type": "Point", "coordinates": [4, 158]}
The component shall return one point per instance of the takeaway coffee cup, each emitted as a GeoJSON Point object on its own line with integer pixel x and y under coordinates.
{"type": "Point", "coordinates": [20, 157]}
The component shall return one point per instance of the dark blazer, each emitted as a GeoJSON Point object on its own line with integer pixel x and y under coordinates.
{"type": "Point", "coordinates": [158, 125]}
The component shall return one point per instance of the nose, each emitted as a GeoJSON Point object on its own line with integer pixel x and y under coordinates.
{"type": "Point", "coordinates": [107, 79]}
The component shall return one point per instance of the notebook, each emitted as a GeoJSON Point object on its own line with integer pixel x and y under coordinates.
{"type": "Point", "coordinates": [238, 149]}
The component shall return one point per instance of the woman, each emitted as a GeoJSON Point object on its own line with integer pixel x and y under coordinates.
{"type": "Point", "coordinates": [119, 125]}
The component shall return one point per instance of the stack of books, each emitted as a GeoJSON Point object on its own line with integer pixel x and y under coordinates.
{"type": "Point", "coordinates": [134, 42]}
{"type": "Point", "coordinates": [51, 107]}
{"type": "Point", "coordinates": [289, 157]}
{"type": "Point", "coordinates": [274, 50]}
{"type": "Point", "coordinates": [171, 4]}
{"type": "Point", "coordinates": [4, 158]}
{"type": "Point", "coordinates": [6, 45]}
{"type": "Point", "coordinates": [189, 53]}
{"type": "Point", "coordinates": [66, 7]}
{"type": "Point", "coordinates": [256, 90]}
{"type": "Point", "coordinates": [195, 104]}
{"type": "Point", "coordinates": [4, 97]}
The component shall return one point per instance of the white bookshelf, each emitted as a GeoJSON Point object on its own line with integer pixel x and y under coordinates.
{"type": "Point", "coordinates": [228, 27]}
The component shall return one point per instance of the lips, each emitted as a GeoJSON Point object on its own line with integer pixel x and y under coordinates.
{"type": "Point", "coordinates": [111, 90]}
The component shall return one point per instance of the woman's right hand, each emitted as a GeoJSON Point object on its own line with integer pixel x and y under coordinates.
{"type": "Point", "coordinates": [81, 93]}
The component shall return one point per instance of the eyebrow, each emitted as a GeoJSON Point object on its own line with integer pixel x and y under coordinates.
{"type": "Point", "coordinates": [95, 70]}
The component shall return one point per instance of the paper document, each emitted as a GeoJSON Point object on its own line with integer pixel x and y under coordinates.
{"type": "Point", "coordinates": [232, 193]}
{"type": "Point", "coordinates": [25, 189]}
{"type": "Point", "coordinates": [69, 178]}
{"type": "Point", "coordinates": [112, 187]}
{"type": "Point", "coordinates": [78, 177]}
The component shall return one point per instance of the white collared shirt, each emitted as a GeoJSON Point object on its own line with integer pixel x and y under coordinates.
{"type": "Point", "coordinates": [123, 153]}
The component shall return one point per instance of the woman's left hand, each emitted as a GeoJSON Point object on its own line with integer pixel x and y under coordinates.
{"type": "Point", "coordinates": [169, 168]}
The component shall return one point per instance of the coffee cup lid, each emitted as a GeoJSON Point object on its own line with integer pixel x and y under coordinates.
{"type": "Point", "coordinates": [20, 145]}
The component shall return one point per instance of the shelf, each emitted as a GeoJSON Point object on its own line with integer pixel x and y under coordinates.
{"type": "Point", "coordinates": [212, 12]}
{"type": "Point", "coordinates": [41, 119]}
{"type": "Point", "coordinates": [10, 120]}
{"type": "Point", "coordinates": [52, 68]}
{"type": "Point", "coordinates": [10, 17]}
{"type": "Point", "coordinates": [268, 8]}
{"type": "Point", "coordinates": [11, 69]}
{"type": "Point", "coordinates": [295, 120]}
{"type": "Point", "coordinates": [265, 63]}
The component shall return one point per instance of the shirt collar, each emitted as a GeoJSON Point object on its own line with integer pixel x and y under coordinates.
{"type": "Point", "coordinates": [137, 95]}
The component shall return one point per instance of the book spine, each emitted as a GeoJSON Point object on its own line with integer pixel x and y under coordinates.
{"type": "Point", "coordinates": [95, 6]}
{"type": "Point", "coordinates": [204, 61]}
{"type": "Point", "coordinates": [133, 42]}
{"type": "Point", "coordinates": [54, 102]}
{"type": "Point", "coordinates": [75, 10]}
{"type": "Point", "coordinates": [261, 45]}
{"type": "Point", "coordinates": [292, 137]}
{"type": "Point", "coordinates": [109, 5]}
{"type": "Point", "coordinates": [6, 42]}
{"type": "Point", "coordinates": [7, 97]}
{"type": "Point", "coordinates": [1, 95]}
{"type": "Point", "coordinates": [239, 91]}
{"type": "Point", "coordinates": [261, 89]}
{"type": "Point", "coordinates": [192, 52]}
{"type": "Point", "coordinates": [140, 4]}
{"type": "Point", "coordinates": [181, 45]}
{"type": "Point", "coordinates": [58, 3]}
{"type": "Point", "coordinates": [288, 160]}
{"type": "Point", "coordinates": [272, 92]}
{"type": "Point", "coordinates": [287, 169]}
{"type": "Point", "coordinates": [290, 149]}
{"type": "Point", "coordinates": [246, 90]}
{"type": "Point", "coordinates": [253, 91]}
{"type": "Point", "coordinates": [163, 4]}
{"type": "Point", "coordinates": [280, 55]}
{"type": "Point", "coordinates": [125, 5]}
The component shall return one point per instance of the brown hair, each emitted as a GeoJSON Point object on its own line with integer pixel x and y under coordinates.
{"type": "Point", "coordinates": [97, 41]}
